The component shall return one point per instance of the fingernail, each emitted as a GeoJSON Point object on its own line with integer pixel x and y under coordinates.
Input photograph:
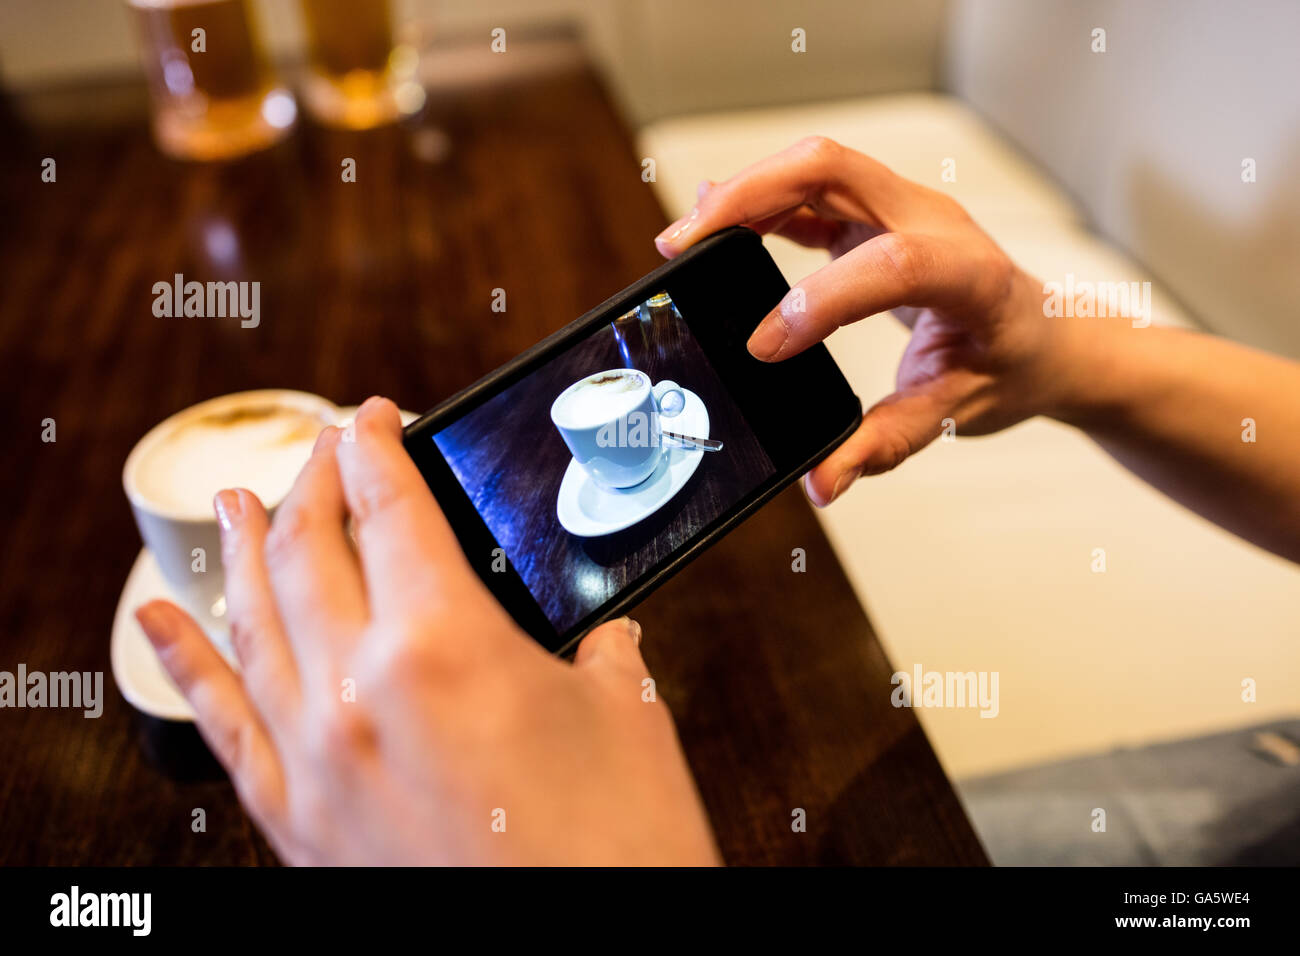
{"type": "Point", "coordinates": [677, 229]}
{"type": "Point", "coordinates": [155, 622]}
{"type": "Point", "coordinates": [769, 338]}
{"type": "Point", "coordinates": [703, 188]}
{"type": "Point", "coordinates": [229, 507]}
{"type": "Point", "coordinates": [634, 629]}
{"type": "Point", "coordinates": [846, 478]}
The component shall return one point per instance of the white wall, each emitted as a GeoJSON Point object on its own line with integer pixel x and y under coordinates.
{"type": "Point", "coordinates": [1150, 136]}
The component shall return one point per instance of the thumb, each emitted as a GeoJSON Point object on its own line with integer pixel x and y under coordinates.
{"type": "Point", "coordinates": [893, 429]}
{"type": "Point", "coordinates": [614, 646]}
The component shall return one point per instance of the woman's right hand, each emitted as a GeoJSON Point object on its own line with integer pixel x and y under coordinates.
{"type": "Point", "coordinates": [982, 353]}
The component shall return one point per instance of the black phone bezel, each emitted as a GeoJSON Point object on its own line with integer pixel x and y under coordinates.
{"type": "Point", "coordinates": [728, 283]}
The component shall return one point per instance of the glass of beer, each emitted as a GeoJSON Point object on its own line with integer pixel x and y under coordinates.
{"type": "Point", "coordinates": [357, 77]}
{"type": "Point", "coordinates": [213, 91]}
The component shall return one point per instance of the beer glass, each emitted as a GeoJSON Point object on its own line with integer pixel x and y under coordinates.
{"type": "Point", "coordinates": [214, 94]}
{"type": "Point", "coordinates": [357, 77]}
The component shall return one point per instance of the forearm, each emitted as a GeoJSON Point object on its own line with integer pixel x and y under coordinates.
{"type": "Point", "coordinates": [1213, 424]}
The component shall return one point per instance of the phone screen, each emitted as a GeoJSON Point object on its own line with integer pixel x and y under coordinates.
{"type": "Point", "coordinates": [583, 470]}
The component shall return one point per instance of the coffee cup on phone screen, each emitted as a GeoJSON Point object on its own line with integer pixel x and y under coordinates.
{"type": "Point", "coordinates": [611, 423]}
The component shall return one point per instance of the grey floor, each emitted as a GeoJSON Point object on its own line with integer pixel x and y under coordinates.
{"type": "Point", "coordinates": [1226, 799]}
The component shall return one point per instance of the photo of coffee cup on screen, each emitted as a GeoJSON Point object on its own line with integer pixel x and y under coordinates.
{"type": "Point", "coordinates": [594, 467]}
{"type": "Point", "coordinates": [613, 423]}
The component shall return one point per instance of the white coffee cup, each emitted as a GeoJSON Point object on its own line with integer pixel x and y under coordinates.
{"type": "Point", "coordinates": [257, 440]}
{"type": "Point", "coordinates": [611, 423]}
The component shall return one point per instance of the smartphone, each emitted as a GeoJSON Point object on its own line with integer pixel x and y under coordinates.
{"type": "Point", "coordinates": [587, 471]}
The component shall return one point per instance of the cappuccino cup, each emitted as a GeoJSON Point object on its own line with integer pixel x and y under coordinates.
{"type": "Point", "coordinates": [611, 423]}
{"type": "Point", "coordinates": [256, 440]}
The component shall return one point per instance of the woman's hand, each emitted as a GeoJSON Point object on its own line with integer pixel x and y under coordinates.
{"type": "Point", "coordinates": [389, 711]}
{"type": "Point", "coordinates": [981, 348]}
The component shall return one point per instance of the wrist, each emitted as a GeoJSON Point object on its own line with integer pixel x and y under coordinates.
{"type": "Point", "coordinates": [1072, 364]}
{"type": "Point", "coordinates": [1087, 370]}
{"type": "Point", "coordinates": [1042, 379]}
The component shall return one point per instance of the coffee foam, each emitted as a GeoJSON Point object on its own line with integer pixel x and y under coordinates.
{"type": "Point", "coordinates": [260, 446]}
{"type": "Point", "coordinates": [601, 398]}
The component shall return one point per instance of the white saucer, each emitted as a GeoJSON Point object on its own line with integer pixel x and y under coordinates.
{"type": "Point", "coordinates": [589, 511]}
{"type": "Point", "coordinates": [136, 668]}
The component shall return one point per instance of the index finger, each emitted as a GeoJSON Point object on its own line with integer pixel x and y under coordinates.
{"type": "Point", "coordinates": [833, 180]}
{"type": "Point", "coordinates": [409, 553]}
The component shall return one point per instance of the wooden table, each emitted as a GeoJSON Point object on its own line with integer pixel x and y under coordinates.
{"type": "Point", "coordinates": [780, 689]}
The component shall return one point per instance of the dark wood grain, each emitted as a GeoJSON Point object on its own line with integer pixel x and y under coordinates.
{"type": "Point", "coordinates": [779, 687]}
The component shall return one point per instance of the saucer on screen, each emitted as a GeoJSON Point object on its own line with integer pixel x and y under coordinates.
{"type": "Point", "coordinates": [136, 669]}
{"type": "Point", "coordinates": [587, 510]}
